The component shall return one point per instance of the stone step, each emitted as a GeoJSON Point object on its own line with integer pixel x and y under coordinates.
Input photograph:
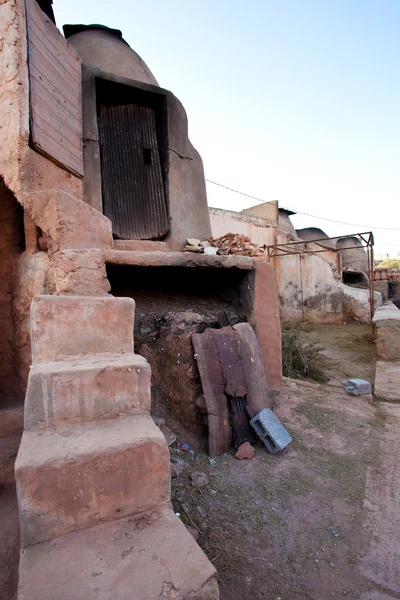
{"type": "Point", "coordinates": [387, 381]}
{"type": "Point", "coordinates": [68, 326]}
{"type": "Point", "coordinates": [88, 388]}
{"type": "Point", "coordinates": [129, 559]}
{"type": "Point", "coordinates": [77, 476]}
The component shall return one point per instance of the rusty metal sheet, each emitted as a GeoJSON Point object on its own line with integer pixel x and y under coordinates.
{"type": "Point", "coordinates": [212, 380]}
{"type": "Point", "coordinates": [55, 92]}
{"type": "Point", "coordinates": [258, 396]}
{"type": "Point", "coordinates": [227, 343]}
{"type": "Point", "coordinates": [132, 184]}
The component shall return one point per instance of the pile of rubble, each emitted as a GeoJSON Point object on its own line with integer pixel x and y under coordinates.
{"type": "Point", "coordinates": [230, 243]}
{"type": "Point", "coordinates": [237, 243]}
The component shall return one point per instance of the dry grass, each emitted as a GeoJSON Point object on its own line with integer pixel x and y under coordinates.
{"type": "Point", "coordinates": [301, 359]}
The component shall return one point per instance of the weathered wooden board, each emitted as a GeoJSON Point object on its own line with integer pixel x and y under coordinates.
{"type": "Point", "coordinates": [257, 397]}
{"type": "Point", "coordinates": [233, 378]}
{"type": "Point", "coordinates": [212, 380]}
{"type": "Point", "coordinates": [55, 92]}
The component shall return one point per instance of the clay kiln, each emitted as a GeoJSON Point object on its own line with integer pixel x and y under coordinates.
{"type": "Point", "coordinates": [143, 173]}
{"type": "Point", "coordinates": [141, 170]}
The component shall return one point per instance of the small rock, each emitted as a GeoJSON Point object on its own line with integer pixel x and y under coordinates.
{"type": "Point", "coordinates": [193, 242]}
{"type": "Point", "coordinates": [176, 460]}
{"type": "Point", "coordinates": [213, 492]}
{"type": "Point", "coordinates": [158, 421]}
{"type": "Point", "coordinates": [246, 450]}
{"type": "Point", "coordinates": [213, 462]}
{"type": "Point", "coordinates": [198, 479]}
{"type": "Point", "coordinates": [331, 565]}
{"type": "Point", "coordinates": [201, 512]}
{"type": "Point", "coordinates": [193, 532]}
{"type": "Point", "coordinates": [176, 470]}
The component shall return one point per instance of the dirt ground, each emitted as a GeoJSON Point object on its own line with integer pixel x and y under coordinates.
{"type": "Point", "coordinates": [9, 541]}
{"type": "Point", "coordinates": [293, 526]}
{"type": "Point", "coordinates": [320, 520]}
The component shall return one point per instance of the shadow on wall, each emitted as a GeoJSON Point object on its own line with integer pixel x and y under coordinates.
{"type": "Point", "coordinates": [12, 244]}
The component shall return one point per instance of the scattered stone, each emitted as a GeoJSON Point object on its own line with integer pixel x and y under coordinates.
{"type": "Point", "coordinates": [201, 512]}
{"type": "Point", "coordinates": [170, 437]}
{"type": "Point", "coordinates": [358, 387]}
{"type": "Point", "coordinates": [177, 460]}
{"type": "Point", "coordinates": [193, 242]}
{"type": "Point", "coordinates": [193, 532]}
{"type": "Point", "coordinates": [198, 479]}
{"type": "Point", "coordinates": [198, 249]}
{"type": "Point", "coordinates": [176, 470]}
{"type": "Point", "coordinates": [213, 462]}
{"type": "Point", "coordinates": [246, 450]}
{"type": "Point", "coordinates": [158, 421]}
{"type": "Point", "coordinates": [213, 492]}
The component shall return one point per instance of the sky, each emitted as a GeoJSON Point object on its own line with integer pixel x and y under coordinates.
{"type": "Point", "coordinates": [289, 100]}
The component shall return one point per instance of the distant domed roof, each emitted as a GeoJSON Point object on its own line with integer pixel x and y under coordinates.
{"type": "Point", "coordinates": [106, 49]}
{"type": "Point", "coordinates": [314, 233]}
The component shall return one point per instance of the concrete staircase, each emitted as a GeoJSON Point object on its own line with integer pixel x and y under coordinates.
{"type": "Point", "coordinates": [93, 470]}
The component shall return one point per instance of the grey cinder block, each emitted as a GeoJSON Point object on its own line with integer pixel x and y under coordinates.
{"type": "Point", "coordinates": [271, 431]}
{"type": "Point", "coordinates": [358, 387]}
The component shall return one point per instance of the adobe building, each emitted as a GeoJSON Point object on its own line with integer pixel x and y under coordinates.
{"type": "Point", "coordinates": [318, 279]}
{"type": "Point", "coordinates": [100, 188]}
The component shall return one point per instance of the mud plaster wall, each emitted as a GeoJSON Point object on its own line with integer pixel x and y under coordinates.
{"type": "Point", "coordinates": [355, 256]}
{"type": "Point", "coordinates": [310, 289]}
{"type": "Point", "coordinates": [22, 275]}
{"type": "Point", "coordinates": [261, 231]}
{"type": "Point", "coordinates": [51, 199]}
{"type": "Point", "coordinates": [24, 171]}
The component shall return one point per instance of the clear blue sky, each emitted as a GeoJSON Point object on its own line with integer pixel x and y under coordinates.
{"type": "Point", "coordinates": [289, 100]}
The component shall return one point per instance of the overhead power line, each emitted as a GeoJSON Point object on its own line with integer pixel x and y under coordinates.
{"type": "Point", "coordinates": [299, 212]}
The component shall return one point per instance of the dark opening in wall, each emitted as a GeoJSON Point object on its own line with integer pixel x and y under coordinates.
{"type": "Point", "coordinates": [12, 243]}
{"type": "Point", "coordinates": [174, 288]}
{"type": "Point", "coordinates": [171, 304]}
{"type": "Point", "coordinates": [355, 278]}
{"type": "Point", "coordinates": [394, 289]}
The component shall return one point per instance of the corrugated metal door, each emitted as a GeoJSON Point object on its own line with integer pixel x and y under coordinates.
{"type": "Point", "coordinates": [132, 184]}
